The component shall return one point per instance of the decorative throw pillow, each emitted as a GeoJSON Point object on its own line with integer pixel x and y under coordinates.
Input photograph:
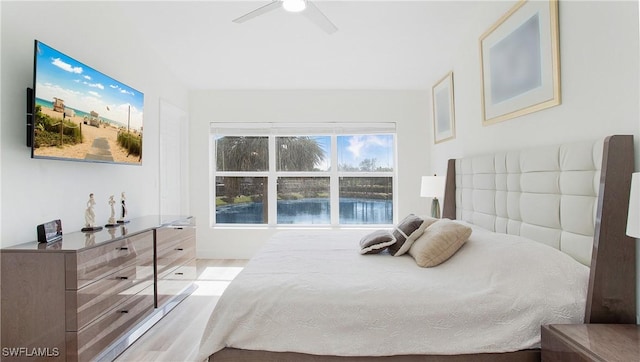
{"type": "Point", "coordinates": [403, 248]}
{"type": "Point", "coordinates": [376, 242]}
{"type": "Point", "coordinates": [439, 242]}
{"type": "Point", "coordinates": [404, 234]}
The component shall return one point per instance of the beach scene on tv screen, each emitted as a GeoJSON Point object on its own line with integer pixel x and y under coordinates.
{"type": "Point", "coordinates": [82, 114]}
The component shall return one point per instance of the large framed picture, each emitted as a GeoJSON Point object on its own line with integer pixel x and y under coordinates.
{"type": "Point", "coordinates": [520, 62]}
{"type": "Point", "coordinates": [444, 126]}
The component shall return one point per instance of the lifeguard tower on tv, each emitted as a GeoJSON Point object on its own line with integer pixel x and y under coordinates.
{"type": "Point", "coordinates": [58, 105]}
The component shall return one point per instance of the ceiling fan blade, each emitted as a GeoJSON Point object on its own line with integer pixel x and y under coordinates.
{"type": "Point", "coordinates": [317, 17]}
{"type": "Point", "coordinates": [259, 11]}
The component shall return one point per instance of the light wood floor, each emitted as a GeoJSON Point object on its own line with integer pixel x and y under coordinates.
{"type": "Point", "coordinates": [176, 337]}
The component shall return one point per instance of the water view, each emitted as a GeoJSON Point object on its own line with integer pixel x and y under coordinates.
{"type": "Point", "coordinates": [310, 211]}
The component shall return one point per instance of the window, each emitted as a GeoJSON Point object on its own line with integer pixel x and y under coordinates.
{"type": "Point", "coordinates": [303, 174]}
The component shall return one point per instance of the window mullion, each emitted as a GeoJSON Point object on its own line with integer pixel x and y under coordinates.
{"type": "Point", "coordinates": [334, 181]}
{"type": "Point", "coordinates": [241, 173]}
{"type": "Point", "coordinates": [273, 182]}
{"type": "Point", "coordinates": [303, 174]}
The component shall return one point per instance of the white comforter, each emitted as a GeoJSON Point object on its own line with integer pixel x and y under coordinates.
{"type": "Point", "coordinates": [312, 292]}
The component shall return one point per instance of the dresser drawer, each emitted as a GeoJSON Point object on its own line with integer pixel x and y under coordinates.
{"type": "Point", "coordinates": [90, 265]}
{"type": "Point", "coordinates": [95, 337]}
{"type": "Point", "coordinates": [169, 236]}
{"type": "Point", "coordinates": [171, 258]}
{"type": "Point", "coordinates": [186, 271]}
{"type": "Point", "coordinates": [88, 303]}
{"type": "Point", "coordinates": [175, 282]}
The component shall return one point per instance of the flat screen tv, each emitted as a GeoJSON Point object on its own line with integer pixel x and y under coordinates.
{"type": "Point", "coordinates": [80, 114]}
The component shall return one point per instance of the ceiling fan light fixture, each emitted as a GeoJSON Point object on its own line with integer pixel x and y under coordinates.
{"type": "Point", "coordinates": [294, 6]}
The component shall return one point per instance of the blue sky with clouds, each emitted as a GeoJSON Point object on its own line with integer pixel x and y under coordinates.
{"type": "Point", "coordinates": [354, 149]}
{"type": "Point", "coordinates": [85, 89]}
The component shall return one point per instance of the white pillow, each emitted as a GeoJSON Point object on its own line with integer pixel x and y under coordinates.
{"type": "Point", "coordinates": [440, 241]}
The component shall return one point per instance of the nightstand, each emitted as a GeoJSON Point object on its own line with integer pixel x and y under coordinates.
{"type": "Point", "coordinates": [590, 342]}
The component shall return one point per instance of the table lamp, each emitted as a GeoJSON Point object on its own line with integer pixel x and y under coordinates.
{"type": "Point", "coordinates": [633, 220]}
{"type": "Point", "coordinates": [433, 186]}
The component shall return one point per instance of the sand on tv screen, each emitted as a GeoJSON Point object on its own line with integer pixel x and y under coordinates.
{"type": "Point", "coordinates": [81, 114]}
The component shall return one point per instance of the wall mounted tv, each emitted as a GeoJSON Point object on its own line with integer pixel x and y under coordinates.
{"type": "Point", "coordinates": [77, 113]}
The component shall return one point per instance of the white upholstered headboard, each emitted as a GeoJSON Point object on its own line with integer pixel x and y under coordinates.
{"type": "Point", "coordinates": [574, 197]}
{"type": "Point", "coordinates": [548, 194]}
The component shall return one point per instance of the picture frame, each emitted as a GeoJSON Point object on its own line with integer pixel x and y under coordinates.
{"type": "Point", "coordinates": [444, 126]}
{"type": "Point", "coordinates": [520, 62]}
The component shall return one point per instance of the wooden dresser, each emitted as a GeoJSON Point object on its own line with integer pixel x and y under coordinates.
{"type": "Point", "coordinates": [89, 296]}
{"type": "Point", "coordinates": [175, 263]}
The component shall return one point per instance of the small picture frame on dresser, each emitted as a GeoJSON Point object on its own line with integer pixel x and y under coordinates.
{"type": "Point", "coordinates": [49, 232]}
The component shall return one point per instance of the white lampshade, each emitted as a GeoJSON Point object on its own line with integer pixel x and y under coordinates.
{"type": "Point", "coordinates": [432, 186]}
{"type": "Point", "coordinates": [294, 6]}
{"type": "Point", "coordinates": [633, 221]}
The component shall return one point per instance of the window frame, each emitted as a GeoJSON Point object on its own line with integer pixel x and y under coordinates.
{"type": "Point", "coordinates": [275, 130]}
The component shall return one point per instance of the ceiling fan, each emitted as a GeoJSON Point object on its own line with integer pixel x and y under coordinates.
{"type": "Point", "coordinates": [305, 7]}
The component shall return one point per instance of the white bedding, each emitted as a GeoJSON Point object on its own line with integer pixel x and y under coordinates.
{"type": "Point", "coordinates": [312, 292]}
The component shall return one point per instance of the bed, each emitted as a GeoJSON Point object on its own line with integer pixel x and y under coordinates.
{"type": "Point", "coordinates": [547, 246]}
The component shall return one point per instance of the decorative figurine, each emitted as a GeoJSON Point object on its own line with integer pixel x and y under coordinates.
{"type": "Point", "coordinates": [112, 219]}
{"type": "Point", "coordinates": [90, 216]}
{"type": "Point", "coordinates": [123, 215]}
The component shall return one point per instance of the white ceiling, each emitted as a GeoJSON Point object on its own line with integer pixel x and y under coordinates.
{"type": "Point", "coordinates": [379, 44]}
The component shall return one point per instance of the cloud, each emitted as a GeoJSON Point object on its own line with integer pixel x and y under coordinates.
{"type": "Point", "coordinates": [122, 90]}
{"type": "Point", "coordinates": [48, 91]}
{"type": "Point", "coordinates": [360, 144]}
{"type": "Point", "coordinates": [378, 141]}
{"type": "Point", "coordinates": [94, 85]}
{"type": "Point", "coordinates": [66, 67]}
{"type": "Point", "coordinates": [87, 77]}
{"type": "Point", "coordinates": [93, 100]}
{"type": "Point", "coordinates": [356, 144]}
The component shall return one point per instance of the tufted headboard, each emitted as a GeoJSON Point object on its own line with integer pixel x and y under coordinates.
{"type": "Point", "coordinates": [548, 194]}
{"type": "Point", "coordinates": [574, 197]}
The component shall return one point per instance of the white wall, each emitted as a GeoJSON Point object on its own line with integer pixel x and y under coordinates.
{"type": "Point", "coordinates": [599, 56]}
{"type": "Point", "coordinates": [406, 108]}
{"type": "Point", "coordinates": [174, 153]}
{"type": "Point", "coordinates": [35, 191]}
{"type": "Point", "coordinates": [599, 84]}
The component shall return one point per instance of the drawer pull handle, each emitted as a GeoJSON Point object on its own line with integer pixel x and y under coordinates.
{"type": "Point", "coordinates": [179, 249]}
{"type": "Point", "coordinates": [123, 278]}
{"type": "Point", "coordinates": [124, 311]}
{"type": "Point", "coordinates": [178, 228]}
{"type": "Point", "coordinates": [179, 273]}
{"type": "Point", "coordinates": [123, 248]}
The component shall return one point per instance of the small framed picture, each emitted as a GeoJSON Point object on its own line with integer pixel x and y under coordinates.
{"type": "Point", "coordinates": [520, 62]}
{"type": "Point", "coordinates": [444, 125]}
